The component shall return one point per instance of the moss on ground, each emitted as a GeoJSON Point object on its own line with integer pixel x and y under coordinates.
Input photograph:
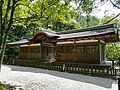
{"type": "Point", "coordinates": [3, 86]}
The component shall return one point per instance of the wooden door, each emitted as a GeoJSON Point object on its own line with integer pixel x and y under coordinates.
{"type": "Point", "coordinates": [47, 52]}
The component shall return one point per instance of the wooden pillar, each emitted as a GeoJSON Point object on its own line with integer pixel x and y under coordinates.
{"type": "Point", "coordinates": [54, 50]}
{"type": "Point", "coordinates": [104, 56]}
{"type": "Point", "coordinates": [41, 50]}
{"type": "Point", "coordinates": [64, 48]}
{"type": "Point", "coordinates": [99, 51]}
{"type": "Point", "coordinates": [29, 52]}
{"type": "Point", "coordinates": [75, 51]}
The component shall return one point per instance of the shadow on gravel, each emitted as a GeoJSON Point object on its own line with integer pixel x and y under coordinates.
{"type": "Point", "coordinates": [103, 82]}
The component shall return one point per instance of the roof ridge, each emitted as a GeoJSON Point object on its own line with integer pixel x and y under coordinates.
{"type": "Point", "coordinates": [47, 30]}
{"type": "Point", "coordinates": [113, 25]}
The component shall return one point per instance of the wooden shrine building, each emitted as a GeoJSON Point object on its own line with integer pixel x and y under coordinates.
{"type": "Point", "coordinates": [77, 46]}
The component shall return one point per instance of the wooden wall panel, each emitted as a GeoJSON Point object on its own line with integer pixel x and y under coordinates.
{"type": "Point", "coordinates": [30, 53]}
{"type": "Point", "coordinates": [84, 53]}
{"type": "Point", "coordinates": [69, 57]}
{"type": "Point", "coordinates": [23, 56]}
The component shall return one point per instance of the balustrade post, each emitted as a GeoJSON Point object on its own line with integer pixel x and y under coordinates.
{"type": "Point", "coordinates": [118, 83]}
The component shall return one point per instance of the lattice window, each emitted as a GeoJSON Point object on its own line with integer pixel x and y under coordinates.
{"type": "Point", "coordinates": [91, 49]}
{"type": "Point", "coordinates": [80, 49]}
{"type": "Point", "coordinates": [87, 49]}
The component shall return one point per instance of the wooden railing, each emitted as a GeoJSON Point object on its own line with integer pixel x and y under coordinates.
{"type": "Point", "coordinates": [87, 69]}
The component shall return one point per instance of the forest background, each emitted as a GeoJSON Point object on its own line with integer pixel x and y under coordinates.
{"type": "Point", "coordinates": [21, 19]}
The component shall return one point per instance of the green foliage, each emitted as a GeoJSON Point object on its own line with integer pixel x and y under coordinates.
{"type": "Point", "coordinates": [93, 21]}
{"type": "Point", "coordinates": [31, 29]}
{"type": "Point", "coordinates": [16, 33]}
{"type": "Point", "coordinates": [11, 53]}
{"type": "Point", "coordinates": [118, 2]}
{"type": "Point", "coordinates": [84, 6]}
{"type": "Point", "coordinates": [59, 26]}
{"type": "Point", "coordinates": [3, 86]}
{"type": "Point", "coordinates": [113, 51]}
{"type": "Point", "coordinates": [17, 16]}
{"type": "Point", "coordinates": [45, 10]}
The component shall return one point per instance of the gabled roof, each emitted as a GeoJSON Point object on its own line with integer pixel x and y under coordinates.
{"type": "Point", "coordinates": [107, 33]}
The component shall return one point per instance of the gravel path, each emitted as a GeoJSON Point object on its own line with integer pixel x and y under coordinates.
{"type": "Point", "coordinates": [38, 79]}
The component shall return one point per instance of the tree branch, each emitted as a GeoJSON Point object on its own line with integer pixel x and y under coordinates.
{"type": "Point", "coordinates": [26, 6]}
{"type": "Point", "coordinates": [114, 5]}
{"type": "Point", "coordinates": [112, 18]}
{"type": "Point", "coordinates": [6, 14]}
{"type": "Point", "coordinates": [49, 5]}
{"type": "Point", "coordinates": [11, 16]}
{"type": "Point", "coordinates": [1, 33]}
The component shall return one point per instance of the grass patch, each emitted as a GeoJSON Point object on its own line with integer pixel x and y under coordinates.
{"type": "Point", "coordinates": [3, 86]}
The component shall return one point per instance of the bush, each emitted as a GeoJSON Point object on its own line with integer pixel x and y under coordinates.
{"type": "Point", "coordinates": [3, 86]}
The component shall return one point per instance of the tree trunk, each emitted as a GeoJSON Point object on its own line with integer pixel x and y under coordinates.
{"type": "Point", "coordinates": [2, 50]}
{"type": "Point", "coordinates": [1, 4]}
{"type": "Point", "coordinates": [2, 54]}
{"type": "Point", "coordinates": [4, 34]}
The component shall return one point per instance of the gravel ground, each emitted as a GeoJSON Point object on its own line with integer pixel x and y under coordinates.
{"type": "Point", "coordinates": [27, 78]}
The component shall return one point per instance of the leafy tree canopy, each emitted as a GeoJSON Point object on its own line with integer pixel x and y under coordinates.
{"type": "Point", "coordinates": [18, 13]}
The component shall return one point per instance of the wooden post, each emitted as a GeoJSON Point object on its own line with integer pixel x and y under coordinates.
{"type": "Point", "coordinates": [99, 52]}
{"type": "Point", "coordinates": [104, 52]}
{"type": "Point", "coordinates": [29, 52]}
{"type": "Point", "coordinates": [74, 50]}
{"type": "Point", "coordinates": [41, 50]}
{"type": "Point", "coordinates": [54, 50]}
{"type": "Point", "coordinates": [118, 83]}
{"type": "Point", "coordinates": [64, 48]}
{"type": "Point", "coordinates": [66, 69]}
